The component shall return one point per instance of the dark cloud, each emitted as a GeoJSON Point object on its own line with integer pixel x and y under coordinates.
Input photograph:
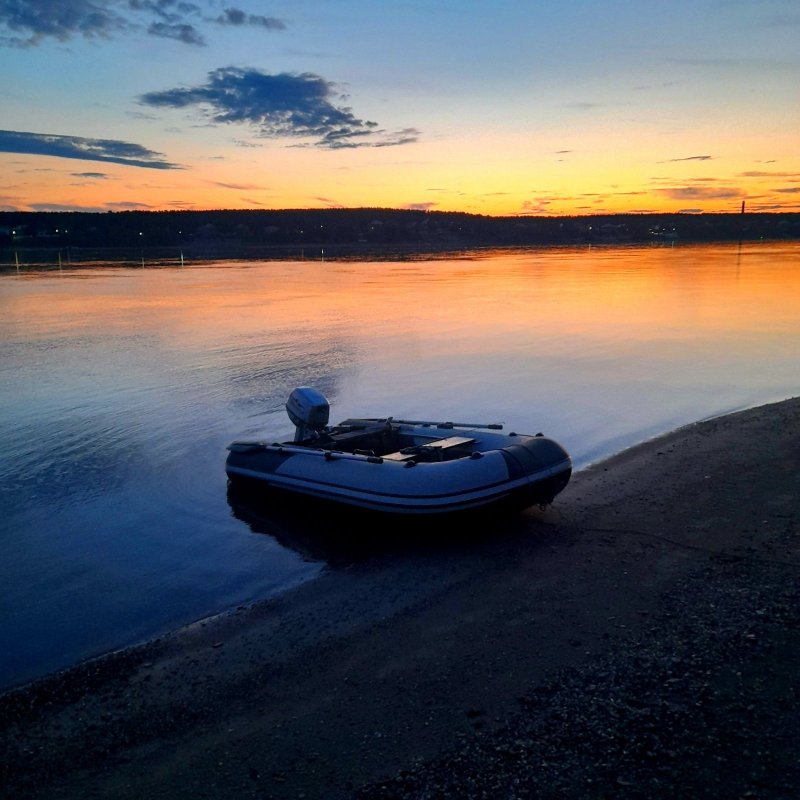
{"type": "Point", "coordinates": [687, 158]}
{"type": "Point", "coordinates": [404, 136]}
{"type": "Point", "coordinates": [171, 19]}
{"type": "Point", "coordinates": [237, 17]}
{"type": "Point", "coordinates": [29, 22]}
{"type": "Point", "coordinates": [93, 175]}
{"type": "Point", "coordinates": [789, 190]}
{"type": "Point", "coordinates": [128, 205]}
{"type": "Point", "coordinates": [700, 193]}
{"type": "Point", "coordinates": [112, 150]}
{"type": "Point", "coordinates": [281, 105]}
{"type": "Point", "coordinates": [64, 207]}
{"type": "Point", "coordinates": [181, 32]}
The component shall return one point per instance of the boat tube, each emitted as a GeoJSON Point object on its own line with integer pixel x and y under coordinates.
{"type": "Point", "coordinates": [402, 466]}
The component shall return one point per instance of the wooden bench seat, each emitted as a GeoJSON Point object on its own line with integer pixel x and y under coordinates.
{"type": "Point", "coordinates": [439, 444]}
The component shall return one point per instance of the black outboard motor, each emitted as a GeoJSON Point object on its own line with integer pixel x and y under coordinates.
{"type": "Point", "coordinates": [309, 410]}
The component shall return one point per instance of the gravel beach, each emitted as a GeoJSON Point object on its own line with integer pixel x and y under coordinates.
{"type": "Point", "coordinates": [637, 639]}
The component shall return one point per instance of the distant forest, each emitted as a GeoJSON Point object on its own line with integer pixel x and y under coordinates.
{"type": "Point", "coordinates": [38, 237]}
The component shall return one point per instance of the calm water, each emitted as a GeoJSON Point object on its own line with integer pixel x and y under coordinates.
{"type": "Point", "coordinates": [121, 387]}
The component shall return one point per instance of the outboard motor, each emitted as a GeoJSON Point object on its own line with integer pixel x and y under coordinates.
{"type": "Point", "coordinates": [309, 410]}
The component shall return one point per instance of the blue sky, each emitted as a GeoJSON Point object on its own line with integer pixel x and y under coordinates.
{"type": "Point", "coordinates": [497, 108]}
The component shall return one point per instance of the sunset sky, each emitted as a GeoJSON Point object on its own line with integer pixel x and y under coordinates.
{"type": "Point", "coordinates": [500, 108]}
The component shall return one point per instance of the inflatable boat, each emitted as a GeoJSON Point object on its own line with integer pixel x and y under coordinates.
{"type": "Point", "coordinates": [401, 466]}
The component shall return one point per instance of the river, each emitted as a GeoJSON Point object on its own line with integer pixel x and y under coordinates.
{"type": "Point", "coordinates": [122, 386]}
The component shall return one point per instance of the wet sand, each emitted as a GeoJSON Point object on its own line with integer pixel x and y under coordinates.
{"type": "Point", "coordinates": [639, 638]}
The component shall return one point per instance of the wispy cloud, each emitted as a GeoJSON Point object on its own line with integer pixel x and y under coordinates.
{"type": "Point", "coordinates": [282, 105]}
{"type": "Point", "coordinates": [128, 205]}
{"type": "Point", "coordinates": [540, 205]}
{"type": "Point", "coordinates": [700, 193]}
{"type": "Point", "coordinates": [244, 187]}
{"type": "Point", "coordinates": [30, 22]}
{"type": "Point", "coordinates": [687, 158]}
{"type": "Point", "coordinates": [403, 136]}
{"type": "Point", "coordinates": [99, 176]}
{"type": "Point", "coordinates": [759, 174]}
{"type": "Point", "coordinates": [111, 150]}
{"type": "Point", "coordinates": [329, 202]}
{"type": "Point", "coordinates": [65, 207]}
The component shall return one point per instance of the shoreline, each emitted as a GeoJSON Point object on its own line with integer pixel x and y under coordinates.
{"type": "Point", "coordinates": [444, 668]}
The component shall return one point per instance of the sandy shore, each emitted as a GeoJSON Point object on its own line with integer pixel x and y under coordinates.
{"type": "Point", "coordinates": [638, 639]}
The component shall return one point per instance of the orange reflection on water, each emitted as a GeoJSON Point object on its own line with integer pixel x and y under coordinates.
{"type": "Point", "coordinates": [461, 305]}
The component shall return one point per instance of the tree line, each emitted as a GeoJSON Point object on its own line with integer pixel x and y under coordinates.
{"type": "Point", "coordinates": [371, 227]}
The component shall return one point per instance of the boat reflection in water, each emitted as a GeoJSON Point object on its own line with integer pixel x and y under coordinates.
{"type": "Point", "coordinates": [315, 529]}
{"type": "Point", "coordinates": [321, 530]}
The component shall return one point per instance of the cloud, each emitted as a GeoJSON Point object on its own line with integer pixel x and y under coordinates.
{"type": "Point", "coordinates": [234, 16]}
{"type": "Point", "coordinates": [59, 19]}
{"type": "Point", "coordinates": [64, 207]}
{"type": "Point", "coordinates": [181, 32]}
{"type": "Point", "coordinates": [94, 175]}
{"type": "Point", "coordinates": [758, 174]}
{"type": "Point", "coordinates": [111, 150]}
{"type": "Point", "coordinates": [329, 202]}
{"type": "Point", "coordinates": [580, 105]}
{"type": "Point", "coordinates": [30, 22]}
{"type": "Point", "coordinates": [538, 206]}
{"type": "Point", "coordinates": [238, 186]}
{"type": "Point", "coordinates": [404, 136]}
{"type": "Point", "coordinates": [789, 190]}
{"type": "Point", "coordinates": [700, 193]}
{"type": "Point", "coordinates": [282, 105]}
{"type": "Point", "coordinates": [649, 87]}
{"type": "Point", "coordinates": [128, 205]}
{"type": "Point", "coordinates": [687, 158]}
{"type": "Point", "coordinates": [420, 206]}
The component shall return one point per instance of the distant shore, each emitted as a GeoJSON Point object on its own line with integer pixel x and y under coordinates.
{"type": "Point", "coordinates": [637, 639]}
{"type": "Point", "coordinates": [175, 237]}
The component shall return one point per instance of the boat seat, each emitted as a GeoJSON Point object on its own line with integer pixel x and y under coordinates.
{"type": "Point", "coordinates": [351, 437]}
{"type": "Point", "coordinates": [442, 445]}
